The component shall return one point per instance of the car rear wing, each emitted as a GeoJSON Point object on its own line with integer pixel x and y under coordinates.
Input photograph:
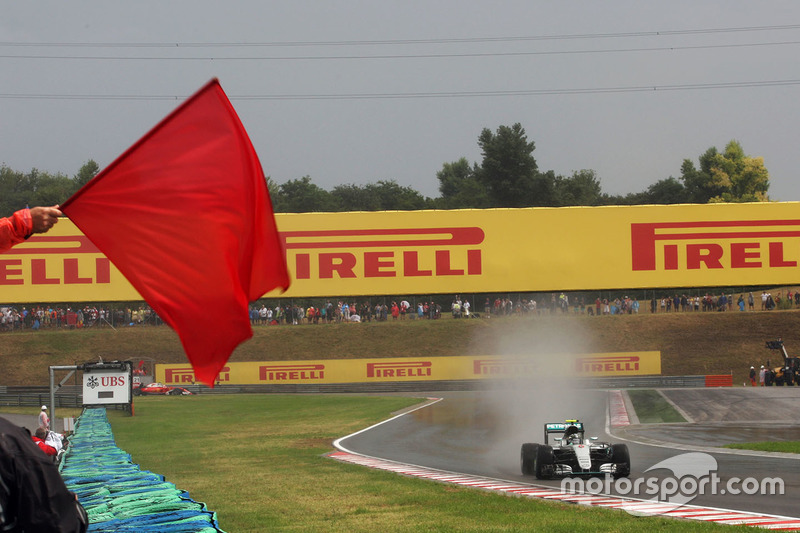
{"type": "Point", "coordinates": [561, 427]}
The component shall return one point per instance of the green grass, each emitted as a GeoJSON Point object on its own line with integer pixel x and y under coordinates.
{"type": "Point", "coordinates": [652, 408]}
{"type": "Point", "coordinates": [257, 461]}
{"type": "Point", "coordinates": [781, 446]}
{"type": "Point", "coordinates": [737, 344]}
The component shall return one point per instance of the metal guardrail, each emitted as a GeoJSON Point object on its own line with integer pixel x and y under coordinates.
{"type": "Point", "coordinates": [648, 382]}
{"type": "Point", "coordinates": [71, 396]}
{"type": "Point", "coordinates": [456, 385]}
{"type": "Point", "coordinates": [36, 396]}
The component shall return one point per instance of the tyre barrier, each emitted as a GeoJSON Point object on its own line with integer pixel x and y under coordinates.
{"type": "Point", "coordinates": [117, 495]}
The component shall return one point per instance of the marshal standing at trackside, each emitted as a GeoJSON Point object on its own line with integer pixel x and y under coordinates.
{"type": "Point", "coordinates": [33, 497]}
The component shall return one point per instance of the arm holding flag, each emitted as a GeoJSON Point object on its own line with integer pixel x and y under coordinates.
{"type": "Point", "coordinates": [19, 226]}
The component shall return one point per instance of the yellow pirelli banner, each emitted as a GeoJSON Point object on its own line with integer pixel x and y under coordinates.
{"type": "Point", "coordinates": [421, 369]}
{"type": "Point", "coordinates": [468, 251]}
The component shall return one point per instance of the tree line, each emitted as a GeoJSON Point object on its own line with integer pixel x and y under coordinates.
{"type": "Point", "coordinates": [507, 176]}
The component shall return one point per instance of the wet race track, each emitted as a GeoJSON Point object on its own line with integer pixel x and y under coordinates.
{"type": "Point", "coordinates": [480, 433]}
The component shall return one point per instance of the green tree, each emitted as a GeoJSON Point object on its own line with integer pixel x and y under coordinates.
{"type": "Point", "coordinates": [352, 197]}
{"type": "Point", "coordinates": [730, 176]}
{"type": "Point", "coordinates": [394, 197]}
{"type": "Point", "coordinates": [666, 191]}
{"type": "Point", "coordinates": [85, 174]}
{"type": "Point", "coordinates": [582, 188]}
{"type": "Point", "coordinates": [460, 187]}
{"type": "Point", "coordinates": [12, 190]}
{"type": "Point", "coordinates": [18, 189]}
{"type": "Point", "coordinates": [302, 196]}
{"type": "Point", "coordinates": [385, 195]}
{"type": "Point", "coordinates": [663, 192]}
{"type": "Point", "coordinates": [52, 189]}
{"type": "Point", "coordinates": [508, 169]}
{"type": "Point", "coordinates": [274, 193]}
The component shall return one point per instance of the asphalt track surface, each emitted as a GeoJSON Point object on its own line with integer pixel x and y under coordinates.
{"type": "Point", "coordinates": [480, 433]}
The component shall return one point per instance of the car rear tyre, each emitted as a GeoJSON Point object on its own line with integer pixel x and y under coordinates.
{"type": "Point", "coordinates": [622, 458]}
{"type": "Point", "coordinates": [528, 458]}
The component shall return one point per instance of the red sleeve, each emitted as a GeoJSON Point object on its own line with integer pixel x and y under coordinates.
{"type": "Point", "coordinates": [14, 229]}
{"type": "Point", "coordinates": [46, 448]}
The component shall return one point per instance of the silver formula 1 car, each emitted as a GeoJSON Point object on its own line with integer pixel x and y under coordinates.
{"type": "Point", "coordinates": [573, 455]}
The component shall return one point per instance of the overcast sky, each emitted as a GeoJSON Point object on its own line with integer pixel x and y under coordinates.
{"type": "Point", "coordinates": [361, 91]}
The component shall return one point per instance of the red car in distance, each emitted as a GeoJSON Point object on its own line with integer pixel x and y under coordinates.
{"type": "Point", "coordinates": [160, 388]}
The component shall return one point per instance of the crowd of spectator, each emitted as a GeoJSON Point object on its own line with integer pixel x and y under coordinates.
{"type": "Point", "coordinates": [46, 317]}
{"type": "Point", "coordinates": [727, 302]}
{"type": "Point", "coordinates": [343, 311]}
{"type": "Point", "coordinates": [380, 309]}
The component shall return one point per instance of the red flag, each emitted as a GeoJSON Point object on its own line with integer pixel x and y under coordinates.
{"type": "Point", "coordinates": [185, 215]}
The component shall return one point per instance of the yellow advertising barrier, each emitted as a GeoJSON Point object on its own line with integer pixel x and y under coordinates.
{"type": "Point", "coordinates": [468, 251]}
{"type": "Point", "coordinates": [420, 369]}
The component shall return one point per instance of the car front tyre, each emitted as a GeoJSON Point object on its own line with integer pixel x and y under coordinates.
{"type": "Point", "coordinates": [622, 458]}
{"type": "Point", "coordinates": [528, 458]}
{"type": "Point", "coordinates": [544, 462]}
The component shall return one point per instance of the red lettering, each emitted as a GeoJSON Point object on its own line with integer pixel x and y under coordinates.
{"type": "Point", "coordinates": [342, 263]}
{"type": "Point", "coordinates": [302, 266]}
{"type": "Point", "coordinates": [103, 267]}
{"type": "Point", "coordinates": [776, 256]}
{"type": "Point", "coordinates": [373, 264]}
{"type": "Point", "coordinates": [671, 257]}
{"type": "Point", "coordinates": [709, 254]}
{"type": "Point", "coordinates": [179, 375]}
{"type": "Point", "coordinates": [6, 271]}
{"type": "Point", "coordinates": [39, 273]}
{"type": "Point", "coordinates": [443, 264]}
{"type": "Point", "coordinates": [740, 253]}
{"type": "Point", "coordinates": [474, 266]}
{"type": "Point", "coordinates": [411, 265]}
{"type": "Point", "coordinates": [71, 272]}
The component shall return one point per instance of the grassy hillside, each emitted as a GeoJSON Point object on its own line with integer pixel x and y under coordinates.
{"type": "Point", "coordinates": [690, 343]}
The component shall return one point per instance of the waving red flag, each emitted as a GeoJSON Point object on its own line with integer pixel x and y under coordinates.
{"type": "Point", "coordinates": [185, 215]}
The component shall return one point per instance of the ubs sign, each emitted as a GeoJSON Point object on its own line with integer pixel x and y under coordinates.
{"type": "Point", "coordinates": [107, 383]}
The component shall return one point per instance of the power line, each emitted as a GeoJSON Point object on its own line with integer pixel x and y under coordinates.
{"type": "Point", "coordinates": [418, 95]}
{"type": "Point", "coordinates": [404, 56]}
{"type": "Point", "coordinates": [699, 31]}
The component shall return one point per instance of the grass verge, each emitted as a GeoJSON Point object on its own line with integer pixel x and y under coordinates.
{"type": "Point", "coordinates": [737, 344]}
{"type": "Point", "coordinates": [257, 461]}
{"type": "Point", "coordinates": [652, 408]}
{"type": "Point", "coordinates": [781, 446]}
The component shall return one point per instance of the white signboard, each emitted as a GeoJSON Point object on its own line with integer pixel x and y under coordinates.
{"type": "Point", "coordinates": [106, 387]}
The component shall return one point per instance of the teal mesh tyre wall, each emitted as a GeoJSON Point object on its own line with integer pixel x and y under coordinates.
{"type": "Point", "coordinates": [117, 495]}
